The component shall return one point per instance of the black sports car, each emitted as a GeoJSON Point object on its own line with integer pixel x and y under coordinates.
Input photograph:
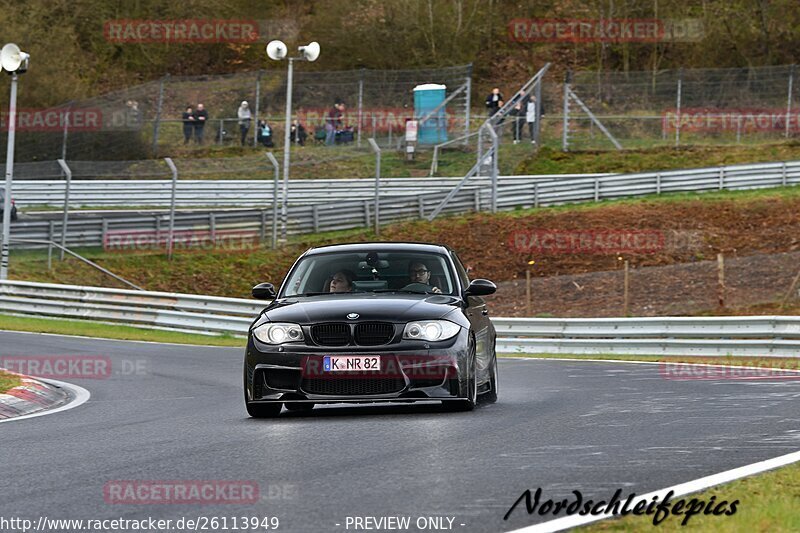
{"type": "Point", "coordinates": [371, 322]}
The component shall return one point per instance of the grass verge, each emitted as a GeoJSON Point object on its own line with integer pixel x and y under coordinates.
{"type": "Point", "coordinates": [768, 501]}
{"type": "Point", "coordinates": [8, 381]}
{"type": "Point", "coordinates": [111, 331]}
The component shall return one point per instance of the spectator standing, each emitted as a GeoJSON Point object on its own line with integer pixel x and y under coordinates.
{"type": "Point", "coordinates": [530, 118]}
{"type": "Point", "coordinates": [200, 117]}
{"type": "Point", "coordinates": [518, 115]}
{"type": "Point", "coordinates": [245, 117]}
{"type": "Point", "coordinates": [494, 101]}
{"type": "Point", "coordinates": [330, 124]}
{"type": "Point", "coordinates": [188, 124]}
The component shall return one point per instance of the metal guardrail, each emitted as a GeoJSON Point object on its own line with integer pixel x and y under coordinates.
{"type": "Point", "coordinates": [162, 310]}
{"type": "Point", "coordinates": [768, 336]}
{"type": "Point", "coordinates": [350, 212]}
{"type": "Point", "coordinates": [234, 193]}
{"type": "Point", "coordinates": [752, 335]}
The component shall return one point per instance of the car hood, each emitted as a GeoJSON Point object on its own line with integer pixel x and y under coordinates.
{"type": "Point", "coordinates": [369, 306]}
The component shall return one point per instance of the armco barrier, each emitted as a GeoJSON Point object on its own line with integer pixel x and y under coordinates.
{"type": "Point", "coordinates": [351, 211]}
{"type": "Point", "coordinates": [235, 193]}
{"type": "Point", "coordinates": [776, 336]}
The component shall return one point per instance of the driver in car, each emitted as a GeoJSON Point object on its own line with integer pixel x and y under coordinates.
{"type": "Point", "coordinates": [419, 273]}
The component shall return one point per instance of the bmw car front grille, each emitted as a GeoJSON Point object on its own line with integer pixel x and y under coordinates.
{"type": "Point", "coordinates": [335, 334]}
{"type": "Point", "coordinates": [373, 333]}
{"type": "Point", "coordinates": [361, 334]}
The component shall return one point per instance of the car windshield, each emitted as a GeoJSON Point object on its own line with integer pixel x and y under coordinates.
{"type": "Point", "coordinates": [370, 271]}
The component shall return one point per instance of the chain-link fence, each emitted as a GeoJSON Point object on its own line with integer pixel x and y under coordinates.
{"type": "Point", "coordinates": [147, 120]}
{"type": "Point", "coordinates": [673, 290]}
{"type": "Point", "coordinates": [673, 107]}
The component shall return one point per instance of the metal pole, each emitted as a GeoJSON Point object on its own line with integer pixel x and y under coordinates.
{"type": "Point", "coordinates": [12, 127]}
{"type": "Point", "coordinates": [678, 110]}
{"type": "Point", "coordinates": [274, 163]}
{"type": "Point", "coordinates": [565, 126]}
{"type": "Point", "coordinates": [360, 104]}
{"type": "Point", "coordinates": [537, 126]}
{"type": "Point", "coordinates": [284, 206]}
{"type": "Point", "coordinates": [789, 100]}
{"type": "Point", "coordinates": [174, 170]}
{"type": "Point", "coordinates": [495, 147]}
{"type": "Point", "coordinates": [377, 151]}
{"type": "Point", "coordinates": [480, 149]}
{"type": "Point", "coordinates": [258, 100]}
{"type": "Point", "coordinates": [468, 101]}
{"type": "Point", "coordinates": [157, 124]}
{"type": "Point", "coordinates": [626, 290]}
{"type": "Point", "coordinates": [65, 219]}
{"type": "Point", "coordinates": [64, 138]}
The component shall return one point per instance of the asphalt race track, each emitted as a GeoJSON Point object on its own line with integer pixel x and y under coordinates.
{"type": "Point", "coordinates": [171, 412]}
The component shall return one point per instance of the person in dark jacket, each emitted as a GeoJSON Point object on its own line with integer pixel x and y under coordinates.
{"type": "Point", "coordinates": [200, 117]}
{"type": "Point", "coordinates": [188, 124]}
{"type": "Point", "coordinates": [297, 134]}
{"type": "Point", "coordinates": [494, 101]}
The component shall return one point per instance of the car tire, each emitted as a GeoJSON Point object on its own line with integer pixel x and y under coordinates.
{"type": "Point", "coordinates": [471, 401]}
{"type": "Point", "coordinates": [490, 396]}
{"type": "Point", "coordinates": [299, 407]}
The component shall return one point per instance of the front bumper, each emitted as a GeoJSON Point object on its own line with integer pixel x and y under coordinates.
{"type": "Point", "coordinates": [412, 371]}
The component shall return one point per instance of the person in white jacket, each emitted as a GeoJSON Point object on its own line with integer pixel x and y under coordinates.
{"type": "Point", "coordinates": [530, 118]}
{"type": "Point", "coordinates": [244, 119]}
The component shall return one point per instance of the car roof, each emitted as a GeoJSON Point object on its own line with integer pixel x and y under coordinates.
{"type": "Point", "coordinates": [384, 246]}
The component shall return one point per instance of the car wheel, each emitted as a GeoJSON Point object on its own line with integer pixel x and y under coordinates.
{"type": "Point", "coordinates": [469, 403]}
{"type": "Point", "coordinates": [300, 407]}
{"type": "Point", "coordinates": [490, 396]}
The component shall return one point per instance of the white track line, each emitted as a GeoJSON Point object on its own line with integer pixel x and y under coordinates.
{"type": "Point", "coordinates": [683, 489]}
{"type": "Point", "coordinates": [81, 396]}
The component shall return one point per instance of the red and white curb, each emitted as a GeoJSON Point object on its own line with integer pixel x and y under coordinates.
{"type": "Point", "coordinates": [37, 397]}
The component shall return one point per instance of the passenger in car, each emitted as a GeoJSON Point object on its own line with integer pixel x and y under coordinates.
{"type": "Point", "coordinates": [342, 281]}
{"type": "Point", "coordinates": [418, 272]}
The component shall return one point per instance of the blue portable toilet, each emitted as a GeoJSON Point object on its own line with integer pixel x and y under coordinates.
{"type": "Point", "coordinates": [426, 98]}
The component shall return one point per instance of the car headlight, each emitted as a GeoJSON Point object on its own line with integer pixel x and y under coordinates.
{"type": "Point", "coordinates": [278, 333]}
{"type": "Point", "coordinates": [430, 330]}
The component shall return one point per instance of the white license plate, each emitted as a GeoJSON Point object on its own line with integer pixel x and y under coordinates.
{"type": "Point", "coordinates": [350, 363]}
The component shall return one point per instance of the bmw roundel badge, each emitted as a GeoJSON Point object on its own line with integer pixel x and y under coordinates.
{"type": "Point", "coordinates": [352, 316]}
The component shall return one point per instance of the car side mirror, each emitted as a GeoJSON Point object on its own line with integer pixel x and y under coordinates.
{"type": "Point", "coordinates": [264, 291]}
{"type": "Point", "coordinates": [481, 287]}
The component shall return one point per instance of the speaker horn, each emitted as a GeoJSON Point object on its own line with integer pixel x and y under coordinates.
{"type": "Point", "coordinates": [276, 50]}
{"type": "Point", "coordinates": [310, 51]}
{"type": "Point", "coordinates": [12, 59]}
